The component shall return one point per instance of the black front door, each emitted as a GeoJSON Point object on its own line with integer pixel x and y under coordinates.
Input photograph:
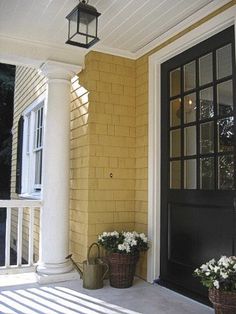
{"type": "Point", "coordinates": [198, 160]}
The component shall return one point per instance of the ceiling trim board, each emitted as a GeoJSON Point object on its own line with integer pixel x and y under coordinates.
{"type": "Point", "coordinates": [115, 51]}
{"type": "Point", "coordinates": [22, 51]}
{"type": "Point", "coordinates": [180, 16]}
{"type": "Point", "coordinates": [205, 11]}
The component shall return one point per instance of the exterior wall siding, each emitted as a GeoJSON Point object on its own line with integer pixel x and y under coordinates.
{"type": "Point", "coordinates": [79, 171]}
{"type": "Point", "coordinates": [103, 170]}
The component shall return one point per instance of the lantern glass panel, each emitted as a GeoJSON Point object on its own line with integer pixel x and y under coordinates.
{"type": "Point", "coordinates": [92, 28]}
{"type": "Point", "coordinates": [87, 24]}
{"type": "Point", "coordinates": [73, 23]}
{"type": "Point", "coordinates": [82, 39]}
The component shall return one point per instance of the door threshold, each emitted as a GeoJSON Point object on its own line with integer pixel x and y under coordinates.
{"type": "Point", "coordinates": [181, 290]}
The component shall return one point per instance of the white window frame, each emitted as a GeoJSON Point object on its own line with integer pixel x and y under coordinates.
{"type": "Point", "coordinates": [190, 39]}
{"type": "Point", "coordinates": [28, 187]}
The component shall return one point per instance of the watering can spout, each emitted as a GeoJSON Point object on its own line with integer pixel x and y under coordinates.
{"type": "Point", "coordinates": [75, 264]}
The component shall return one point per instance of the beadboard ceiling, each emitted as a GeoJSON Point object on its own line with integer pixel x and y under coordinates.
{"type": "Point", "coordinates": [125, 26]}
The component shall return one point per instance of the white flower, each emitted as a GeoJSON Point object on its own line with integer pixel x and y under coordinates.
{"type": "Point", "coordinates": [216, 284]}
{"type": "Point", "coordinates": [133, 243]}
{"type": "Point", "coordinates": [204, 267]}
{"type": "Point", "coordinates": [224, 261]}
{"type": "Point", "coordinates": [224, 275]}
{"type": "Point", "coordinates": [143, 237]}
{"type": "Point", "coordinates": [124, 247]}
{"type": "Point", "coordinates": [212, 261]}
{"type": "Point", "coordinates": [115, 234]}
{"type": "Point", "coordinates": [100, 238]}
{"type": "Point", "coordinates": [127, 248]}
{"type": "Point", "coordinates": [121, 247]}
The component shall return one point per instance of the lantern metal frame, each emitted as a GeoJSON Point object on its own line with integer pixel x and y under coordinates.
{"type": "Point", "coordinates": [83, 7]}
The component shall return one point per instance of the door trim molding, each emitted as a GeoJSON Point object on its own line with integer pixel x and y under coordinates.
{"type": "Point", "coordinates": [197, 35]}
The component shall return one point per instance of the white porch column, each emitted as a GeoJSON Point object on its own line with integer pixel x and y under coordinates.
{"type": "Point", "coordinates": [54, 224]}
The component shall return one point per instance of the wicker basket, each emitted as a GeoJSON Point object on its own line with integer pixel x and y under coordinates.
{"type": "Point", "coordinates": [122, 269]}
{"type": "Point", "coordinates": [224, 302]}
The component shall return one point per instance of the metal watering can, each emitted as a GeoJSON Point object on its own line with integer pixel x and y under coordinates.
{"type": "Point", "coordinates": [94, 269]}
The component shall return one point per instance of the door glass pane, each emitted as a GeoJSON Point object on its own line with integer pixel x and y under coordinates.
{"type": "Point", "coordinates": [175, 140]}
{"type": "Point", "coordinates": [190, 108]}
{"type": "Point", "coordinates": [225, 134]}
{"type": "Point", "coordinates": [175, 174]}
{"type": "Point", "coordinates": [175, 82]}
{"type": "Point", "coordinates": [226, 172]}
{"type": "Point", "coordinates": [190, 140]}
{"type": "Point", "coordinates": [205, 69]}
{"type": "Point", "coordinates": [207, 177]}
{"type": "Point", "coordinates": [175, 113]}
{"type": "Point", "coordinates": [190, 76]}
{"type": "Point", "coordinates": [225, 98]}
{"type": "Point", "coordinates": [224, 61]}
{"type": "Point", "coordinates": [190, 174]}
{"type": "Point", "coordinates": [207, 137]}
{"type": "Point", "coordinates": [206, 103]}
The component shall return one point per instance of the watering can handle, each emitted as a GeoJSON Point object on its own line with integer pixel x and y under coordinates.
{"type": "Point", "coordinates": [107, 268]}
{"type": "Point", "coordinates": [88, 255]}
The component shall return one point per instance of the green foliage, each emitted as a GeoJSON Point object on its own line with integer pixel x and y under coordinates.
{"type": "Point", "coordinates": [219, 274]}
{"type": "Point", "coordinates": [123, 242]}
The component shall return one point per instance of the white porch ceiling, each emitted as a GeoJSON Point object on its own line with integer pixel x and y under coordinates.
{"type": "Point", "coordinates": [33, 28]}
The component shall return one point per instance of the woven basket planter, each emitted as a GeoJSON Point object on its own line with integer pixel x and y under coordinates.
{"type": "Point", "coordinates": [122, 269]}
{"type": "Point", "coordinates": [224, 302]}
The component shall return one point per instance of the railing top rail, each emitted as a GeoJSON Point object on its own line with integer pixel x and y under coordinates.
{"type": "Point", "coordinates": [20, 203]}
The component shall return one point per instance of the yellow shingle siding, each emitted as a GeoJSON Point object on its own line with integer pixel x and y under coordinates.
{"type": "Point", "coordinates": [79, 152]}
{"type": "Point", "coordinates": [108, 136]}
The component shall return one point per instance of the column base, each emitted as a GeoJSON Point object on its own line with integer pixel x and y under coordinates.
{"type": "Point", "coordinates": [54, 268]}
{"type": "Point", "coordinates": [45, 278]}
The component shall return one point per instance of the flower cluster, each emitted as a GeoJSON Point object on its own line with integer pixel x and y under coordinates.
{"type": "Point", "coordinates": [219, 274]}
{"type": "Point", "coordinates": [123, 242]}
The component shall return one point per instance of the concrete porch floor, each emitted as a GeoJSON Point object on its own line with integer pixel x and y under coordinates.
{"type": "Point", "coordinates": [20, 294]}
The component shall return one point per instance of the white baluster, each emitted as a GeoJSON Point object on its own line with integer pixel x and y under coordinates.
{"type": "Point", "coordinates": [19, 236]}
{"type": "Point", "coordinates": [31, 236]}
{"type": "Point", "coordinates": [8, 237]}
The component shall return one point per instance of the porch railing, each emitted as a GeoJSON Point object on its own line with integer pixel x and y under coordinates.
{"type": "Point", "coordinates": [21, 229]}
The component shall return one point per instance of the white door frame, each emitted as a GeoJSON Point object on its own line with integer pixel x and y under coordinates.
{"type": "Point", "coordinates": [197, 35]}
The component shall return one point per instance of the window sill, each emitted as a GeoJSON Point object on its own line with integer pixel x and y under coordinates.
{"type": "Point", "coordinates": [33, 196]}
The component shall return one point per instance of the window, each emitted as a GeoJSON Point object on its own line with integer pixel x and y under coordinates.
{"type": "Point", "coordinates": [201, 121]}
{"type": "Point", "coordinates": [31, 178]}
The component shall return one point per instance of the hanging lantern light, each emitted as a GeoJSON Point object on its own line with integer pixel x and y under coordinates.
{"type": "Point", "coordinates": [83, 25]}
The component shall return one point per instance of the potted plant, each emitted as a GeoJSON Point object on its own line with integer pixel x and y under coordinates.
{"type": "Point", "coordinates": [220, 278]}
{"type": "Point", "coordinates": [123, 248]}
